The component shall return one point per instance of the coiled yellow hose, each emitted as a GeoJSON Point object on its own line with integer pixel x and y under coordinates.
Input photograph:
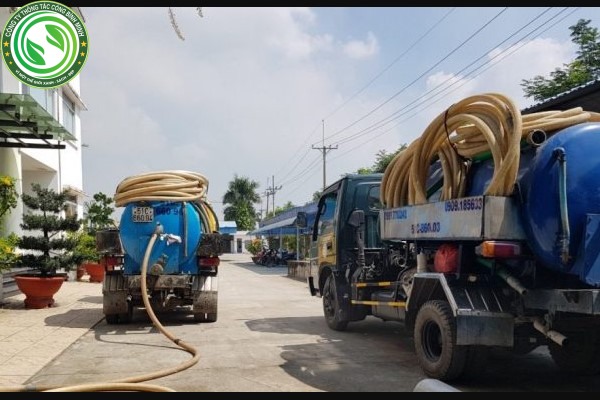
{"type": "Point", "coordinates": [172, 185]}
{"type": "Point", "coordinates": [488, 122]}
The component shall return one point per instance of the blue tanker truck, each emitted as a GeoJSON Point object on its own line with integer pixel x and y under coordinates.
{"type": "Point", "coordinates": [473, 270]}
{"type": "Point", "coordinates": [167, 243]}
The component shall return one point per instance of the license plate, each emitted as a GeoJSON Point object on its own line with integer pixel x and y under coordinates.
{"type": "Point", "coordinates": [143, 214]}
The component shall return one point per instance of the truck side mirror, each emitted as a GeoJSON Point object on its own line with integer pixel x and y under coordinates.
{"type": "Point", "coordinates": [301, 219]}
{"type": "Point", "coordinates": [357, 218]}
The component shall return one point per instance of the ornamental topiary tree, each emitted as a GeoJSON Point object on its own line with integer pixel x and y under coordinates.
{"type": "Point", "coordinates": [50, 250]}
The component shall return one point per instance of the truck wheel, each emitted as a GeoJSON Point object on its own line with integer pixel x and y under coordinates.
{"type": "Point", "coordinates": [205, 317]}
{"type": "Point", "coordinates": [580, 357]}
{"type": "Point", "coordinates": [477, 358]}
{"type": "Point", "coordinates": [211, 317]}
{"type": "Point", "coordinates": [112, 319]}
{"type": "Point", "coordinates": [125, 318]}
{"type": "Point", "coordinates": [435, 341]}
{"type": "Point", "coordinates": [331, 306]}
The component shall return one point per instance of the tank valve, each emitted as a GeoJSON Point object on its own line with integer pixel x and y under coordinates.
{"type": "Point", "coordinates": [158, 267]}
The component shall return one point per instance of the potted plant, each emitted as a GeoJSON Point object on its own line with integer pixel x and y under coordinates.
{"type": "Point", "coordinates": [97, 217]}
{"type": "Point", "coordinates": [87, 255]}
{"type": "Point", "coordinates": [49, 251]}
{"type": "Point", "coordinates": [254, 247]}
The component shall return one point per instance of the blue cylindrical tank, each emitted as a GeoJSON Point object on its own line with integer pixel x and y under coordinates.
{"type": "Point", "coordinates": [175, 248]}
{"type": "Point", "coordinates": [538, 192]}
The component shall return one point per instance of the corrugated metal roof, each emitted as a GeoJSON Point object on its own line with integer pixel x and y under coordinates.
{"type": "Point", "coordinates": [586, 96]}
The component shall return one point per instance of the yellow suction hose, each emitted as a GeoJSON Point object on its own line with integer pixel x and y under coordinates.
{"type": "Point", "coordinates": [172, 185]}
{"type": "Point", "coordinates": [480, 124]}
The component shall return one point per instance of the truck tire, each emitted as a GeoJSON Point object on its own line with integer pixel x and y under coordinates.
{"type": "Point", "coordinates": [331, 306]}
{"type": "Point", "coordinates": [580, 357]}
{"type": "Point", "coordinates": [477, 358]}
{"type": "Point", "coordinates": [120, 318]}
{"type": "Point", "coordinates": [205, 317]}
{"type": "Point", "coordinates": [435, 342]}
{"type": "Point", "coordinates": [112, 319]}
{"type": "Point", "coordinates": [125, 318]}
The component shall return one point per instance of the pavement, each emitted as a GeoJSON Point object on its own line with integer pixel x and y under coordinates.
{"type": "Point", "coordinates": [32, 338]}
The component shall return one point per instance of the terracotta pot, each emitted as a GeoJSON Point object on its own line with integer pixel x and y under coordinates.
{"type": "Point", "coordinates": [39, 291]}
{"type": "Point", "coordinates": [80, 272]}
{"type": "Point", "coordinates": [95, 271]}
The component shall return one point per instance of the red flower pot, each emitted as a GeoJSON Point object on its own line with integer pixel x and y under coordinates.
{"type": "Point", "coordinates": [95, 271]}
{"type": "Point", "coordinates": [38, 291]}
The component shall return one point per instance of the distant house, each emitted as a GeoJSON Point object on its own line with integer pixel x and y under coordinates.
{"type": "Point", "coordinates": [234, 241]}
{"type": "Point", "coordinates": [227, 227]}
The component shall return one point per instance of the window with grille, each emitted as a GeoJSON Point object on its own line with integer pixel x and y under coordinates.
{"type": "Point", "coordinates": [68, 115]}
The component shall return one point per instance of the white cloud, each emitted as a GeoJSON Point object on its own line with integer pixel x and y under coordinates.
{"type": "Point", "coordinates": [360, 49]}
{"type": "Point", "coordinates": [536, 57]}
{"type": "Point", "coordinates": [245, 93]}
{"type": "Point", "coordinates": [290, 36]}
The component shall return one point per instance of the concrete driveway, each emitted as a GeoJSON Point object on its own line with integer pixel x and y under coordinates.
{"type": "Point", "coordinates": [271, 336]}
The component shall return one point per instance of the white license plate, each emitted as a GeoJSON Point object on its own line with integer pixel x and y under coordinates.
{"type": "Point", "coordinates": [143, 214]}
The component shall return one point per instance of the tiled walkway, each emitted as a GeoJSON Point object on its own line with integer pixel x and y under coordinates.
{"type": "Point", "coordinates": [30, 339]}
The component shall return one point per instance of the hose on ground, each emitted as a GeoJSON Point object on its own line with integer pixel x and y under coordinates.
{"type": "Point", "coordinates": [131, 383]}
{"type": "Point", "coordinates": [487, 123]}
{"type": "Point", "coordinates": [181, 186]}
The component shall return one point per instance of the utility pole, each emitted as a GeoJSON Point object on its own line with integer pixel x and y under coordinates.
{"type": "Point", "coordinates": [271, 191]}
{"type": "Point", "coordinates": [324, 149]}
{"type": "Point", "coordinates": [267, 193]}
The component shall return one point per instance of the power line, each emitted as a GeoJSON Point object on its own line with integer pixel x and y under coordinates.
{"type": "Point", "coordinates": [422, 99]}
{"type": "Point", "coordinates": [312, 164]}
{"type": "Point", "coordinates": [435, 25]}
{"type": "Point", "coordinates": [500, 57]}
{"type": "Point", "coordinates": [392, 63]}
{"type": "Point", "coordinates": [422, 75]}
{"type": "Point", "coordinates": [305, 143]}
{"type": "Point", "coordinates": [504, 54]}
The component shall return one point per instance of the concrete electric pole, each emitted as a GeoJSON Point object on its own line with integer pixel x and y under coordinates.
{"type": "Point", "coordinates": [324, 149]}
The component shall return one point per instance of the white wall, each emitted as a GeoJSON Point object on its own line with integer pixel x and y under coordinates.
{"type": "Point", "coordinates": [244, 238]}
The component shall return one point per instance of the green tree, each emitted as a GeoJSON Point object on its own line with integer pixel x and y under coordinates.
{"type": "Point", "coordinates": [317, 195]}
{"type": "Point", "coordinates": [8, 201]}
{"type": "Point", "coordinates": [239, 200]}
{"type": "Point", "coordinates": [49, 250]}
{"type": "Point", "coordinates": [584, 68]}
{"type": "Point", "coordinates": [8, 195]}
{"type": "Point", "coordinates": [382, 160]}
{"type": "Point", "coordinates": [98, 213]}
{"type": "Point", "coordinates": [364, 171]}
{"type": "Point", "coordinates": [278, 210]}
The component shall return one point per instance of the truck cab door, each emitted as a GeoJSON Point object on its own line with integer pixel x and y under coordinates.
{"type": "Point", "coordinates": [325, 224]}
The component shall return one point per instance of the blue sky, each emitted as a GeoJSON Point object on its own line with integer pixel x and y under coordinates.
{"type": "Point", "coordinates": [246, 92]}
